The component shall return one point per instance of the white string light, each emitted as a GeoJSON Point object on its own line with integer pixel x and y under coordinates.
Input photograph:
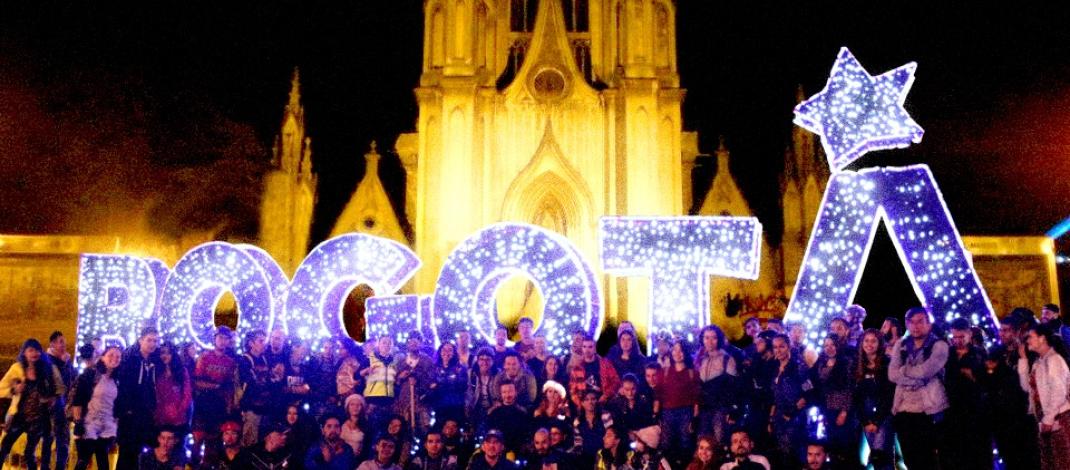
{"type": "Point", "coordinates": [116, 297]}
{"type": "Point", "coordinates": [332, 270]}
{"type": "Point", "coordinates": [854, 114]}
{"type": "Point", "coordinates": [199, 280]}
{"type": "Point", "coordinates": [857, 112]}
{"type": "Point", "coordinates": [679, 254]}
{"type": "Point", "coordinates": [465, 291]}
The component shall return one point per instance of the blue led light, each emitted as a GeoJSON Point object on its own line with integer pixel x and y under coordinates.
{"type": "Point", "coordinates": [199, 280]}
{"type": "Point", "coordinates": [330, 272]}
{"type": "Point", "coordinates": [679, 254]}
{"type": "Point", "coordinates": [116, 298]}
{"type": "Point", "coordinates": [464, 293]}
{"type": "Point", "coordinates": [857, 112]}
{"type": "Point", "coordinates": [929, 246]}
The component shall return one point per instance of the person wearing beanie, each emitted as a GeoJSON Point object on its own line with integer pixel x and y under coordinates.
{"type": "Point", "coordinates": [646, 455]}
{"type": "Point", "coordinates": [554, 406]}
{"type": "Point", "coordinates": [224, 455]}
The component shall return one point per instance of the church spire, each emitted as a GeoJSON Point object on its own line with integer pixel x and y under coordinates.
{"type": "Point", "coordinates": [293, 145]}
{"type": "Point", "coordinates": [294, 104]}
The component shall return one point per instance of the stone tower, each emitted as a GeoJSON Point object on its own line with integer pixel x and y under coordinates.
{"type": "Point", "coordinates": [802, 185]}
{"type": "Point", "coordinates": [552, 112]}
{"type": "Point", "coordinates": [289, 188]}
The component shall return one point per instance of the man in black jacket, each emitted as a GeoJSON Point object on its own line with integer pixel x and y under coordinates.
{"type": "Point", "coordinates": [136, 401]}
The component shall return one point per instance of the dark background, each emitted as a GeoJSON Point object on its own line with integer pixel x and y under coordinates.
{"type": "Point", "coordinates": [171, 107]}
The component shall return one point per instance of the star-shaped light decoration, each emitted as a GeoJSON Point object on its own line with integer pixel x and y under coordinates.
{"type": "Point", "coordinates": [857, 112]}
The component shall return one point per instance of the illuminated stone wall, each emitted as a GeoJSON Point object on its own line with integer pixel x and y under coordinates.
{"type": "Point", "coordinates": [1016, 271]}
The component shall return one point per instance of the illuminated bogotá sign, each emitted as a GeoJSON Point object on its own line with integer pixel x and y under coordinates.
{"type": "Point", "coordinates": [120, 294]}
{"type": "Point", "coordinates": [856, 113]}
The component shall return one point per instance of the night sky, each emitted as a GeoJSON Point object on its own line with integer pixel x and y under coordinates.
{"type": "Point", "coordinates": [110, 109]}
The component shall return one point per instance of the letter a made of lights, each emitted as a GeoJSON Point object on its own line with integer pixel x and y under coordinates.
{"type": "Point", "coordinates": [854, 114]}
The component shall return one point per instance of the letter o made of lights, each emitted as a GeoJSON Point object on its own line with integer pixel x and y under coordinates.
{"type": "Point", "coordinates": [464, 293]}
{"type": "Point", "coordinates": [280, 284]}
{"type": "Point", "coordinates": [200, 279]}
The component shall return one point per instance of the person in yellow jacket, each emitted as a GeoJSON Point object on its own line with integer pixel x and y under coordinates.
{"type": "Point", "coordinates": [380, 378]}
{"type": "Point", "coordinates": [33, 383]}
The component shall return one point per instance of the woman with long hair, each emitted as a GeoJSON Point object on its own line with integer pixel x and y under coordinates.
{"type": "Point", "coordinates": [33, 384]}
{"type": "Point", "coordinates": [93, 410]}
{"type": "Point", "coordinates": [174, 393]}
{"type": "Point", "coordinates": [553, 368]}
{"type": "Point", "coordinates": [705, 453]}
{"type": "Point", "coordinates": [873, 398]}
{"type": "Point", "coordinates": [786, 418]}
{"type": "Point", "coordinates": [399, 430]}
{"type": "Point", "coordinates": [355, 431]}
{"type": "Point", "coordinates": [718, 373]}
{"type": "Point", "coordinates": [301, 432]}
{"type": "Point", "coordinates": [553, 408]}
{"type": "Point", "coordinates": [448, 381]}
{"type": "Point", "coordinates": [678, 392]}
{"type": "Point", "coordinates": [1047, 381]}
{"type": "Point", "coordinates": [831, 377]}
{"type": "Point", "coordinates": [614, 454]}
{"type": "Point", "coordinates": [478, 398]}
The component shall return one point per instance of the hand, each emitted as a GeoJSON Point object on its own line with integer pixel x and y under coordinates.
{"type": "Point", "coordinates": [18, 388]}
{"type": "Point", "coordinates": [326, 453]}
{"type": "Point", "coordinates": [801, 403]}
{"type": "Point", "coordinates": [841, 419]}
{"type": "Point", "coordinates": [769, 428]}
{"type": "Point", "coordinates": [1021, 350]}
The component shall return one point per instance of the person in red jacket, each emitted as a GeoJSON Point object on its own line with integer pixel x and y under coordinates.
{"type": "Point", "coordinates": [599, 374]}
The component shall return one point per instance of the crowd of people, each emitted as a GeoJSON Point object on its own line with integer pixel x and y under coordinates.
{"type": "Point", "coordinates": [930, 396]}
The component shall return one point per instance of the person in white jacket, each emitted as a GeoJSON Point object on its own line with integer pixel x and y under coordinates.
{"type": "Point", "coordinates": [1047, 382]}
{"type": "Point", "coordinates": [917, 369]}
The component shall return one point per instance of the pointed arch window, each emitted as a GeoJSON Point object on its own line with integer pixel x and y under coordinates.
{"type": "Point", "coordinates": [522, 15]}
{"type": "Point", "coordinates": [576, 15]}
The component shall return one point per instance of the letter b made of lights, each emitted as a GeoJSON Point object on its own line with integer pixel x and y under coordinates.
{"type": "Point", "coordinates": [854, 114]}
